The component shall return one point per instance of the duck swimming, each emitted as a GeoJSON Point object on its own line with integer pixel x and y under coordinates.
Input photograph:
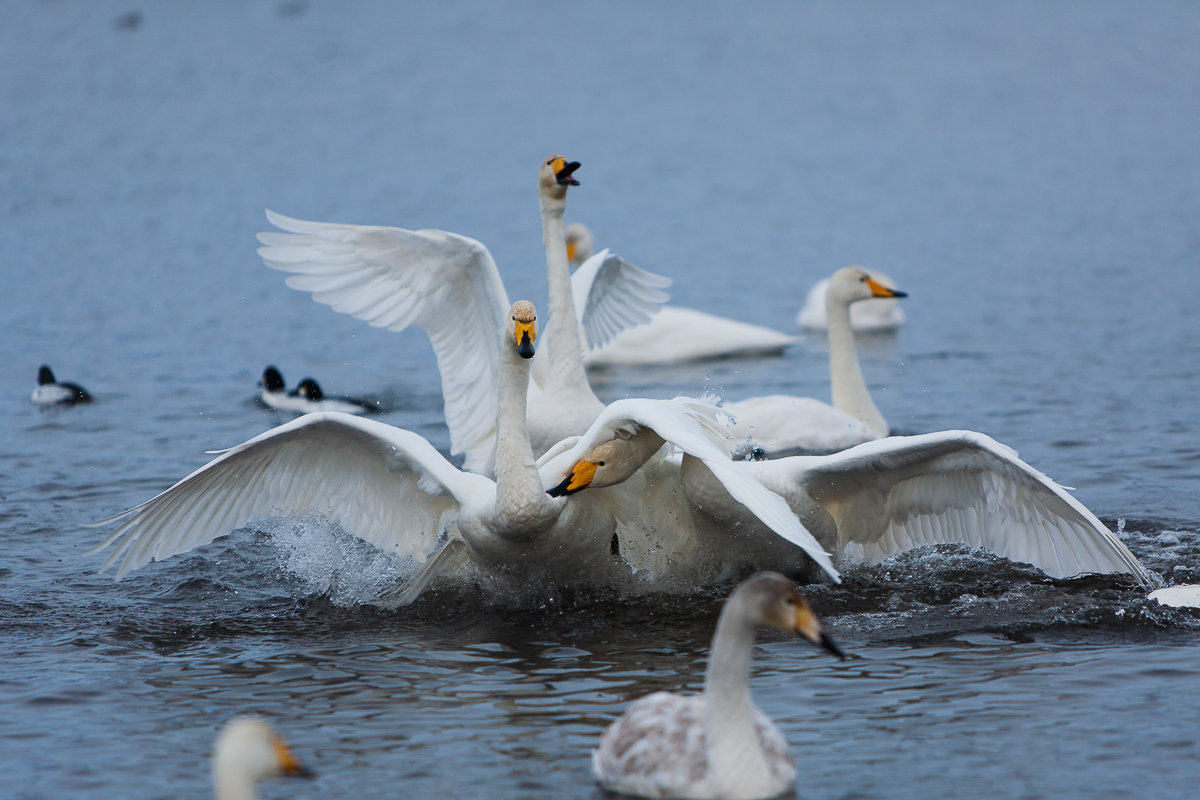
{"type": "Point", "coordinates": [50, 392]}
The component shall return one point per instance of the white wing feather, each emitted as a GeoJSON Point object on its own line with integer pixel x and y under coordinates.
{"type": "Point", "coordinates": [443, 283]}
{"type": "Point", "coordinates": [383, 484]}
{"type": "Point", "coordinates": [963, 487]}
{"type": "Point", "coordinates": [695, 427]}
{"type": "Point", "coordinates": [611, 295]}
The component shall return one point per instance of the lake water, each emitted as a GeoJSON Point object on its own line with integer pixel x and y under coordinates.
{"type": "Point", "coordinates": [1027, 171]}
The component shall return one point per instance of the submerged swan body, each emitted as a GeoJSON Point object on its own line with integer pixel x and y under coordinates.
{"type": "Point", "coordinates": [449, 286]}
{"type": "Point", "coordinates": [674, 334]}
{"type": "Point", "coordinates": [783, 422]}
{"type": "Point", "coordinates": [878, 315]}
{"type": "Point", "coordinates": [717, 745]}
{"type": "Point", "coordinates": [248, 751]}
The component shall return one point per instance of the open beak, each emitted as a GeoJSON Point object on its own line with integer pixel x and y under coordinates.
{"type": "Point", "coordinates": [563, 170]}
{"type": "Point", "coordinates": [578, 479]}
{"type": "Point", "coordinates": [879, 290]}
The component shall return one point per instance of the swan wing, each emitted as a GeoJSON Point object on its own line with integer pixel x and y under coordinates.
{"type": "Point", "coordinates": [958, 487]}
{"type": "Point", "coordinates": [694, 426]}
{"type": "Point", "coordinates": [443, 283]}
{"type": "Point", "coordinates": [383, 484]}
{"type": "Point", "coordinates": [611, 295]}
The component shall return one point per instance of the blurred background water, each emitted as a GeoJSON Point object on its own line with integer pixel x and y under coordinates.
{"type": "Point", "coordinates": [1026, 171]}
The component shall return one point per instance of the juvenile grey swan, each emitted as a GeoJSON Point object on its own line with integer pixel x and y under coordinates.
{"type": "Point", "coordinates": [716, 745]}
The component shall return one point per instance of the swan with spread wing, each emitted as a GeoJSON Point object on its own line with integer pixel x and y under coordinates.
{"type": "Point", "coordinates": [392, 488]}
{"type": "Point", "coordinates": [449, 286]}
{"type": "Point", "coordinates": [887, 496]}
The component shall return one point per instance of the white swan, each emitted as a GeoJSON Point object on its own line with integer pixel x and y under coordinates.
{"type": "Point", "coordinates": [672, 335]}
{"type": "Point", "coordinates": [717, 745]}
{"type": "Point", "coordinates": [953, 487]}
{"type": "Point", "coordinates": [249, 750]}
{"type": "Point", "coordinates": [1185, 595]}
{"type": "Point", "coordinates": [884, 497]}
{"type": "Point", "coordinates": [878, 315]}
{"type": "Point", "coordinates": [448, 285]}
{"type": "Point", "coordinates": [782, 422]}
{"type": "Point", "coordinates": [391, 488]}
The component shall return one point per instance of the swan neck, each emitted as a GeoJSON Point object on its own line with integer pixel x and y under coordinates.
{"type": "Point", "coordinates": [728, 708]}
{"type": "Point", "coordinates": [232, 785]}
{"type": "Point", "coordinates": [516, 474]}
{"type": "Point", "coordinates": [562, 329]}
{"type": "Point", "coordinates": [850, 392]}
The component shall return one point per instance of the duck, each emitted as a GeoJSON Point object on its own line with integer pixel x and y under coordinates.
{"type": "Point", "coordinates": [393, 489]}
{"type": "Point", "coordinates": [674, 334]}
{"type": "Point", "coordinates": [449, 286]}
{"type": "Point", "coordinates": [51, 393]}
{"type": "Point", "coordinates": [306, 397]}
{"type": "Point", "coordinates": [249, 750]}
{"type": "Point", "coordinates": [716, 745]}
{"type": "Point", "coordinates": [776, 423]}
{"type": "Point", "coordinates": [878, 315]}
{"type": "Point", "coordinates": [884, 497]}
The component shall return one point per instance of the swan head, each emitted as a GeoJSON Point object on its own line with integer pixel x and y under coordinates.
{"type": "Point", "coordinates": [771, 600]}
{"type": "Point", "coordinates": [522, 327]}
{"type": "Point", "coordinates": [309, 389]}
{"type": "Point", "coordinates": [850, 284]}
{"type": "Point", "coordinates": [272, 379]}
{"type": "Point", "coordinates": [603, 466]}
{"type": "Point", "coordinates": [555, 176]}
{"type": "Point", "coordinates": [249, 750]}
{"type": "Point", "coordinates": [579, 243]}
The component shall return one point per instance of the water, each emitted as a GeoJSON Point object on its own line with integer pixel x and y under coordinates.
{"type": "Point", "coordinates": [1026, 171]}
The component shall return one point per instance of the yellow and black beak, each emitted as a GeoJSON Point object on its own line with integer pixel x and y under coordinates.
{"type": "Point", "coordinates": [562, 171]}
{"type": "Point", "coordinates": [525, 334]}
{"type": "Point", "coordinates": [578, 479]}
{"type": "Point", "coordinates": [289, 765]}
{"type": "Point", "coordinates": [879, 290]}
{"type": "Point", "coordinates": [807, 625]}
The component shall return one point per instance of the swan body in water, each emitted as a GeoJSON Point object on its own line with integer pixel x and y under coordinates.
{"type": "Point", "coordinates": [674, 334]}
{"type": "Point", "coordinates": [390, 487]}
{"type": "Point", "coordinates": [717, 745]}
{"type": "Point", "coordinates": [783, 422]}
{"type": "Point", "coordinates": [884, 497]}
{"type": "Point", "coordinates": [248, 751]}
{"type": "Point", "coordinates": [449, 286]}
{"type": "Point", "coordinates": [878, 315]}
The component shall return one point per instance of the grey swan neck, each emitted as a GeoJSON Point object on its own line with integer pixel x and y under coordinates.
{"type": "Point", "coordinates": [850, 392]}
{"type": "Point", "coordinates": [729, 730]}
{"type": "Point", "coordinates": [517, 477]}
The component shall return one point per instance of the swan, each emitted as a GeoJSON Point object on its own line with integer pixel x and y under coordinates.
{"type": "Point", "coordinates": [50, 392]}
{"type": "Point", "coordinates": [449, 286]}
{"type": "Point", "coordinates": [718, 744]}
{"type": "Point", "coordinates": [249, 750]}
{"type": "Point", "coordinates": [306, 397]}
{"type": "Point", "coordinates": [883, 497]}
{"type": "Point", "coordinates": [1184, 595]}
{"type": "Point", "coordinates": [879, 315]}
{"type": "Point", "coordinates": [391, 488]}
{"type": "Point", "coordinates": [782, 422]}
{"type": "Point", "coordinates": [672, 335]}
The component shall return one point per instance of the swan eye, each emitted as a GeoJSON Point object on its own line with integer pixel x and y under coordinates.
{"type": "Point", "coordinates": [600, 463]}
